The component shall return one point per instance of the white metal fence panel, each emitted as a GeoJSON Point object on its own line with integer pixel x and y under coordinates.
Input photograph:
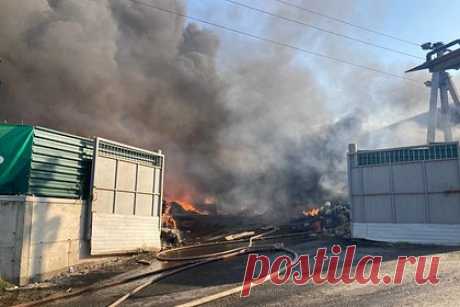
{"type": "Point", "coordinates": [395, 192]}
{"type": "Point", "coordinates": [120, 233]}
{"type": "Point", "coordinates": [127, 187]}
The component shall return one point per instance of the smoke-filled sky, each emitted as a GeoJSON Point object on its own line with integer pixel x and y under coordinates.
{"type": "Point", "coordinates": [258, 127]}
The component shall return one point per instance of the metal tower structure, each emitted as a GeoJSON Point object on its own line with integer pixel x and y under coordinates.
{"type": "Point", "coordinates": [438, 60]}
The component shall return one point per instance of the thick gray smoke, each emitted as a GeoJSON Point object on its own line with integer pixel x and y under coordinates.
{"type": "Point", "coordinates": [248, 124]}
{"type": "Point", "coordinates": [119, 70]}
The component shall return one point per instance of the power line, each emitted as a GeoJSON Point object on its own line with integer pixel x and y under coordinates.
{"type": "Point", "coordinates": [320, 29]}
{"type": "Point", "coordinates": [271, 41]}
{"type": "Point", "coordinates": [347, 23]}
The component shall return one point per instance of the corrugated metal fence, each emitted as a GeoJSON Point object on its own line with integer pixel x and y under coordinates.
{"type": "Point", "coordinates": [60, 164]}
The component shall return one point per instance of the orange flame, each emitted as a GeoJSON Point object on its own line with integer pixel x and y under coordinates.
{"type": "Point", "coordinates": [167, 218]}
{"type": "Point", "coordinates": [188, 206]}
{"type": "Point", "coordinates": [311, 212]}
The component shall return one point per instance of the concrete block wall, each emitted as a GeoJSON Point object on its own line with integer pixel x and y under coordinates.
{"type": "Point", "coordinates": [11, 217]}
{"type": "Point", "coordinates": [40, 236]}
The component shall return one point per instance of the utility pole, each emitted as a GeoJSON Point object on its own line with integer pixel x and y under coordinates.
{"type": "Point", "coordinates": [439, 59]}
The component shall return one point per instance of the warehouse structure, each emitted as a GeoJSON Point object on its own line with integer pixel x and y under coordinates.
{"type": "Point", "coordinates": [65, 198]}
{"type": "Point", "coordinates": [409, 194]}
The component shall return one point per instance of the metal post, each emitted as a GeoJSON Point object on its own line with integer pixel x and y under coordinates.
{"type": "Point", "coordinates": [351, 163]}
{"type": "Point", "coordinates": [445, 118]}
{"type": "Point", "coordinates": [452, 90]}
{"type": "Point", "coordinates": [162, 170]}
{"type": "Point", "coordinates": [433, 120]}
{"type": "Point", "coordinates": [92, 197]}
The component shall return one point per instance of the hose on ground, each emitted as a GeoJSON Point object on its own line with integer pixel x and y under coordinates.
{"type": "Point", "coordinates": [238, 289]}
{"type": "Point", "coordinates": [193, 261]}
{"type": "Point", "coordinates": [162, 256]}
{"type": "Point", "coordinates": [207, 258]}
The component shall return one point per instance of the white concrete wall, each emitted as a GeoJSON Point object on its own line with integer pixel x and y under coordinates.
{"type": "Point", "coordinates": [11, 210]}
{"type": "Point", "coordinates": [43, 236]}
{"type": "Point", "coordinates": [56, 238]}
{"type": "Point", "coordinates": [40, 236]}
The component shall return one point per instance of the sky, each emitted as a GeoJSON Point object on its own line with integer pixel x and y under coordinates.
{"type": "Point", "coordinates": [416, 21]}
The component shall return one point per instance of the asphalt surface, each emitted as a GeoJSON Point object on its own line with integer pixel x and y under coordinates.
{"type": "Point", "coordinates": [218, 276]}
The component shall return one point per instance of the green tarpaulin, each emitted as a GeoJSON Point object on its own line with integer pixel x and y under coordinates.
{"type": "Point", "coordinates": [15, 158]}
{"type": "Point", "coordinates": [43, 162]}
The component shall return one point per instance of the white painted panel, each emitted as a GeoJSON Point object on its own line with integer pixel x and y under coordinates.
{"type": "Point", "coordinates": [105, 173]}
{"type": "Point", "coordinates": [124, 203]}
{"type": "Point", "coordinates": [411, 233]}
{"type": "Point", "coordinates": [131, 198]}
{"type": "Point", "coordinates": [126, 176]}
{"type": "Point", "coordinates": [442, 176]}
{"type": "Point", "coordinates": [376, 180]}
{"type": "Point", "coordinates": [114, 233]}
{"type": "Point", "coordinates": [103, 201]}
{"type": "Point", "coordinates": [145, 179]}
{"type": "Point", "coordinates": [144, 205]}
{"type": "Point", "coordinates": [408, 178]}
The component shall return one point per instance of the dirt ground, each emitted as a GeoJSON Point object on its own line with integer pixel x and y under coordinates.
{"type": "Point", "coordinates": [72, 281]}
{"type": "Point", "coordinates": [219, 276]}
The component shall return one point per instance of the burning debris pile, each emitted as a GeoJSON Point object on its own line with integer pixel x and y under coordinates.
{"type": "Point", "coordinates": [184, 225]}
{"type": "Point", "coordinates": [184, 221]}
{"type": "Point", "coordinates": [331, 219]}
{"type": "Point", "coordinates": [335, 219]}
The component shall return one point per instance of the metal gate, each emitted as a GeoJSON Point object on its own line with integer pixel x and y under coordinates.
{"type": "Point", "coordinates": [408, 194]}
{"type": "Point", "coordinates": [127, 193]}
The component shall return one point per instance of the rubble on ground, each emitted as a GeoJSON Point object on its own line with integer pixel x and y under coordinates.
{"type": "Point", "coordinates": [331, 219]}
{"type": "Point", "coordinates": [335, 219]}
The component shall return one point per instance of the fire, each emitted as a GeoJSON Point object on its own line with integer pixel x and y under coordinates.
{"type": "Point", "coordinates": [311, 212]}
{"type": "Point", "coordinates": [167, 217]}
{"type": "Point", "coordinates": [188, 206]}
{"type": "Point", "coordinates": [195, 207]}
{"type": "Point", "coordinates": [184, 205]}
{"type": "Point", "coordinates": [185, 201]}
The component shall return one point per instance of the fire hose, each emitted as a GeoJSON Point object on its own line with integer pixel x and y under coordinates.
{"type": "Point", "coordinates": [208, 258]}
{"type": "Point", "coordinates": [193, 261]}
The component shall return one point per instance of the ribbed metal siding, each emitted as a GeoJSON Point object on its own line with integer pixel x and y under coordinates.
{"type": "Point", "coordinates": [124, 233]}
{"type": "Point", "coordinates": [60, 165]}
